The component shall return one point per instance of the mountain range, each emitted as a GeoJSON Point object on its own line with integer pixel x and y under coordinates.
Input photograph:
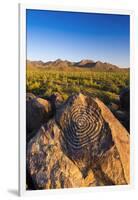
{"type": "Point", "coordinates": [67, 65]}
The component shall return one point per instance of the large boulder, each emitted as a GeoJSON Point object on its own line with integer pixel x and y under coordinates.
{"type": "Point", "coordinates": [122, 109]}
{"type": "Point", "coordinates": [119, 159]}
{"type": "Point", "coordinates": [56, 100]}
{"type": "Point", "coordinates": [125, 99]}
{"type": "Point", "coordinates": [86, 134]}
{"type": "Point", "coordinates": [38, 111]}
{"type": "Point", "coordinates": [83, 145]}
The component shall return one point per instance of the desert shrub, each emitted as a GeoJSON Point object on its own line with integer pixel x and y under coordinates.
{"type": "Point", "coordinates": [34, 86]}
{"type": "Point", "coordinates": [65, 96]}
{"type": "Point", "coordinates": [109, 97]}
{"type": "Point", "coordinates": [104, 85]}
{"type": "Point", "coordinates": [75, 89]}
{"type": "Point", "coordinates": [48, 92]}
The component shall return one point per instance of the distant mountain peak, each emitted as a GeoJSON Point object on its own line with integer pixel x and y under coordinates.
{"type": "Point", "coordinates": [85, 61]}
{"type": "Point", "coordinates": [58, 60]}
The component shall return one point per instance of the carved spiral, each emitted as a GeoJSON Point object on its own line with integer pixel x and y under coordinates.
{"type": "Point", "coordinates": [82, 125]}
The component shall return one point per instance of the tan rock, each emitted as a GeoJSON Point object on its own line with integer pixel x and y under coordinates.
{"type": "Point", "coordinates": [49, 167]}
{"type": "Point", "coordinates": [86, 134]}
{"type": "Point", "coordinates": [38, 111]}
{"type": "Point", "coordinates": [120, 137]}
{"type": "Point", "coordinates": [111, 167]}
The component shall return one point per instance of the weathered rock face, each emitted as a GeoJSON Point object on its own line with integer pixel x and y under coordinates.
{"type": "Point", "coordinates": [86, 134]}
{"type": "Point", "coordinates": [38, 111]}
{"type": "Point", "coordinates": [49, 167]}
{"type": "Point", "coordinates": [121, 140]}
{"type": "Point", "coordinates": [83, 145]}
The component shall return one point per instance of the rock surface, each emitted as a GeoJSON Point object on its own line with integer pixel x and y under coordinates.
{"type": "Point", "coordinates": [121, 139]}
{"type": "Point", "coordinates": [56, 100]}
{"type": "Point", "coordinates": [86, 134]}
{"type": "Point", "coordinates": [38, 111]}
{"type": "Point", "coordinates": [30, 96]}
{"type": "Point", "coordinates": [121, 110]}
{"type": "Point", "coordinates": [83, 145]}
{"type": "Point", "coordinates": [125, 99]}
{"type": "Point", "coordinates": [49, 167]}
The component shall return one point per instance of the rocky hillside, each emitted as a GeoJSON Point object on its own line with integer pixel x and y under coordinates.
{"type": "Point", "coordinates": [76, 143]}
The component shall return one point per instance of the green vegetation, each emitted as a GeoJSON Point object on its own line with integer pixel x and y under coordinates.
{"type": "Point", "coordinates": [104, 85]}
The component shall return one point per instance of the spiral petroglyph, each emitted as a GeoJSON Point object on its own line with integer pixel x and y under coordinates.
{"type": "Point", "coordinates": [84, 126]}
{"type": "Point", "coordinates": [81, 122]}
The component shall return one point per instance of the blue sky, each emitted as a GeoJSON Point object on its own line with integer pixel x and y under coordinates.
{"type": "Point", "coordinates": [75, 36]}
